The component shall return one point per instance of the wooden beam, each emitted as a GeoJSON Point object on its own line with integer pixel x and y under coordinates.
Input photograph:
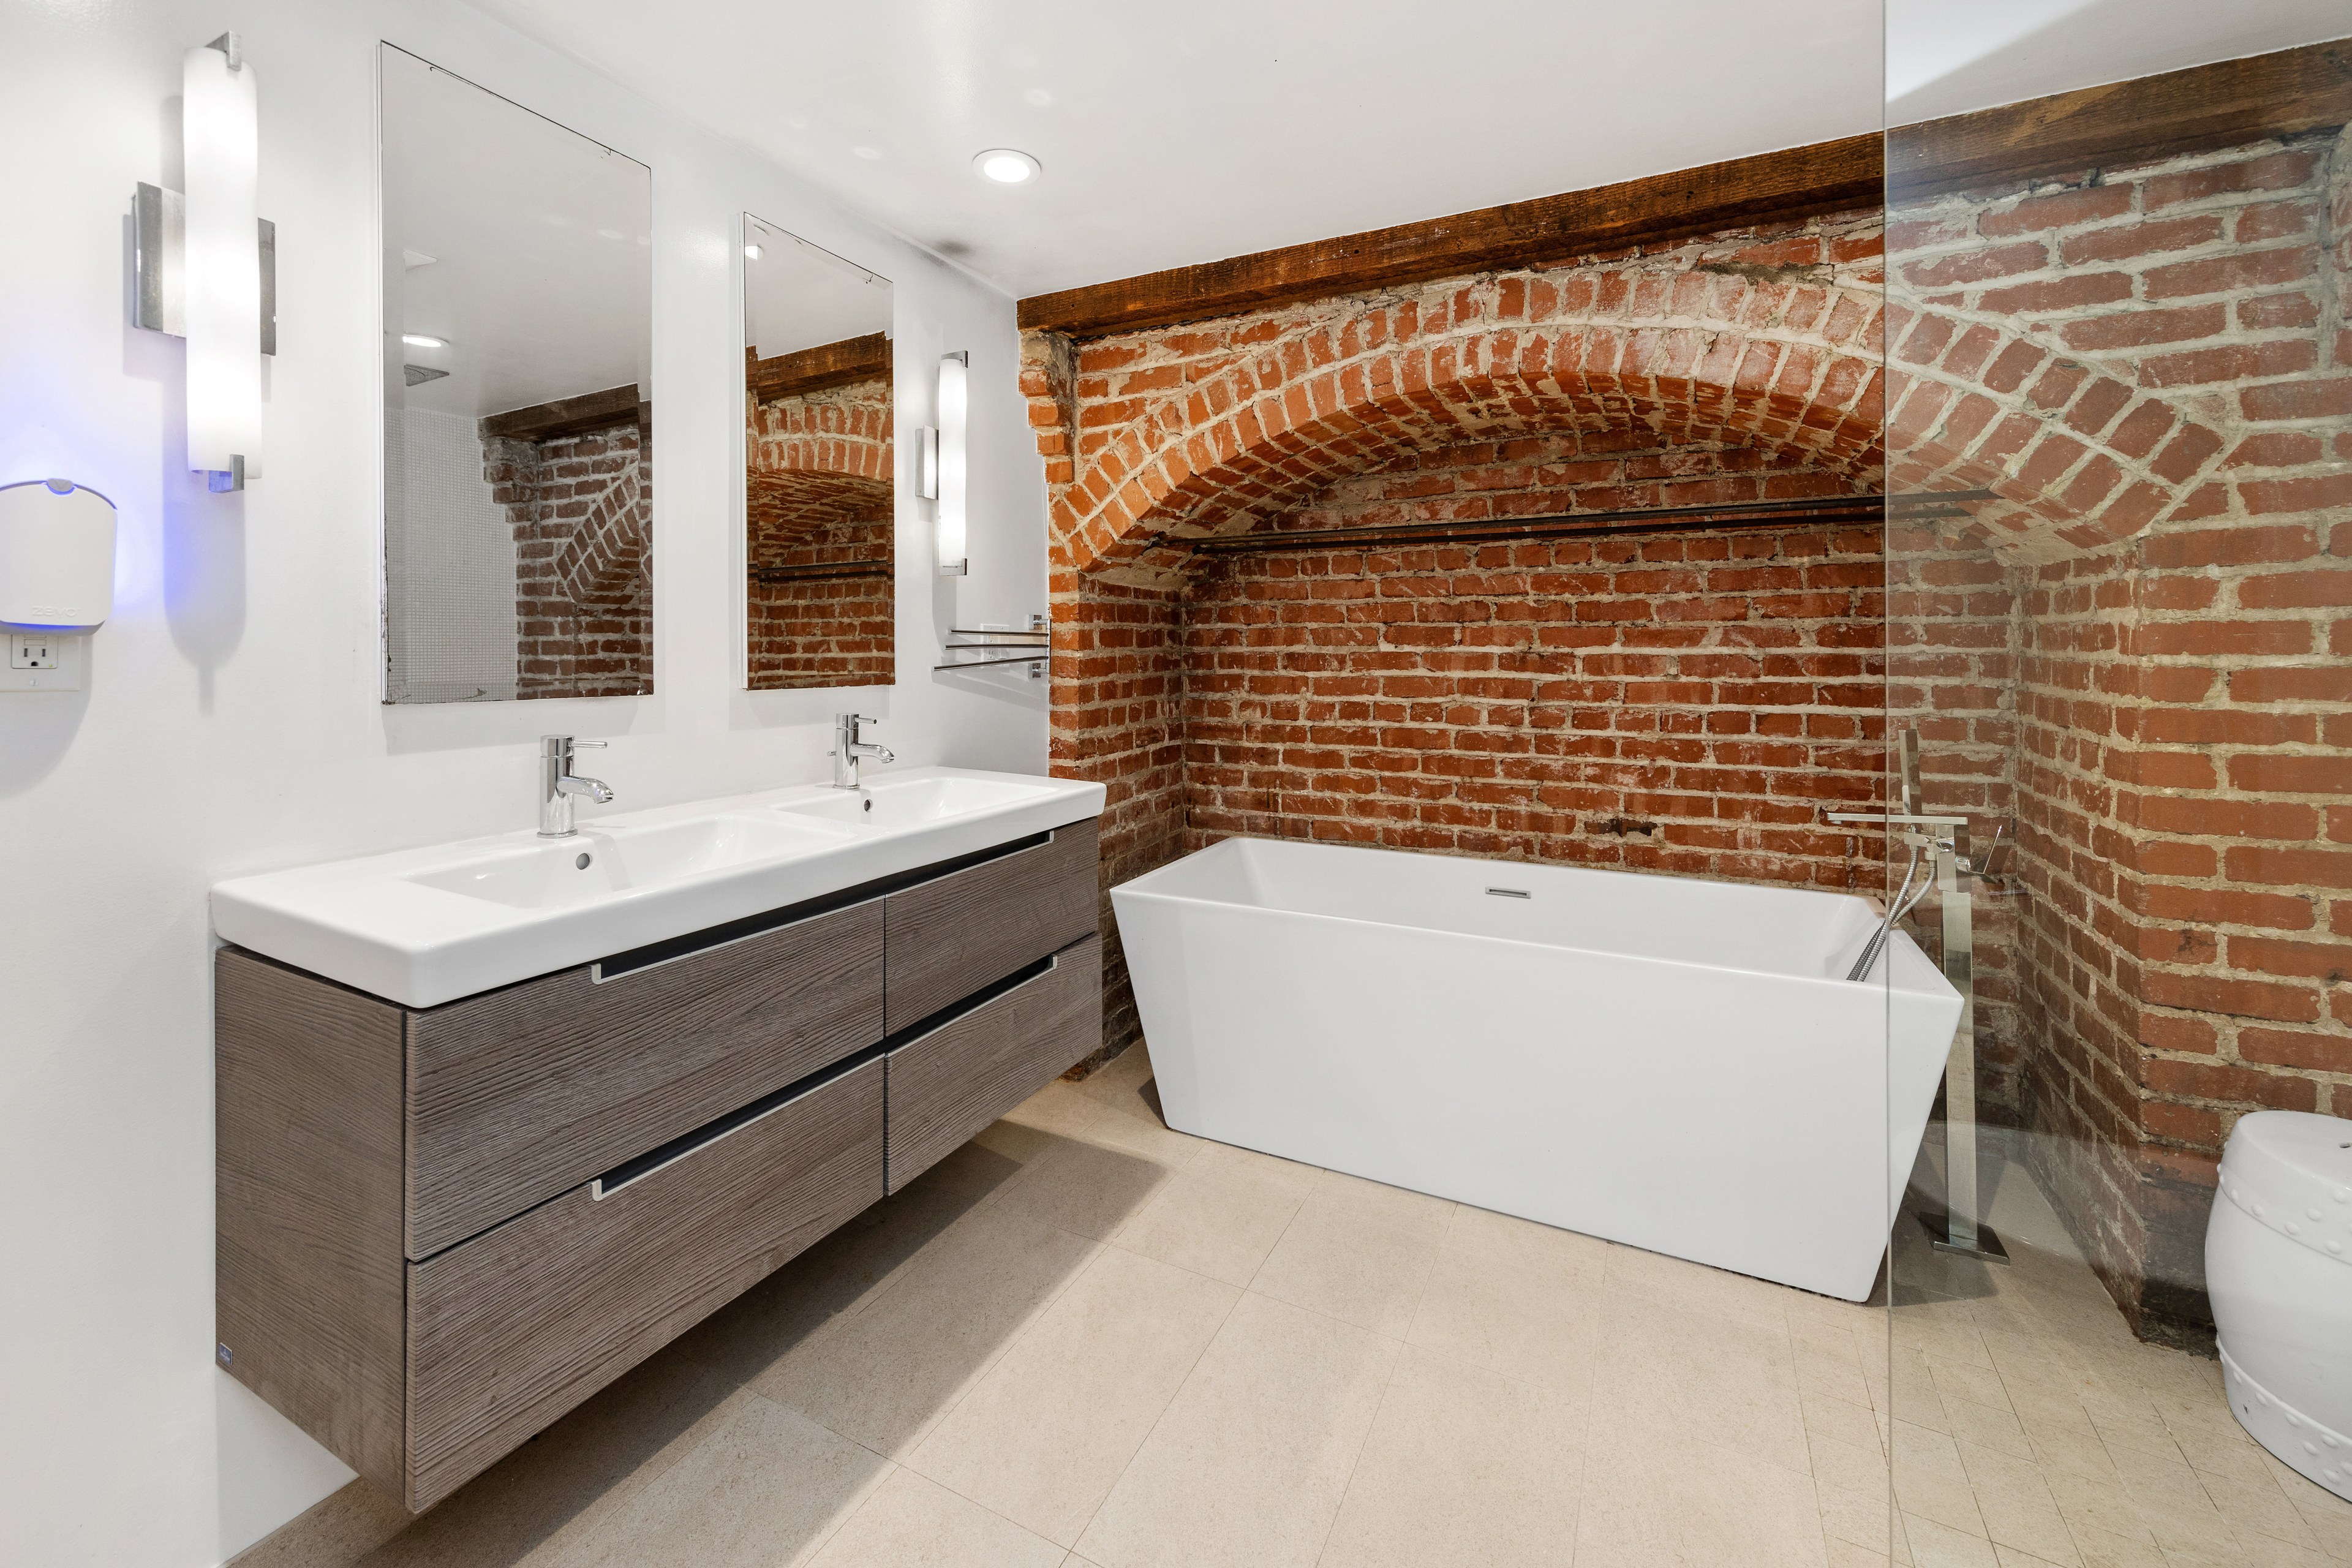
{"type": "Point", "coordinates": [845, 364]}
{"type": "Point", "coordinates": [2226, 104]}
{"type": "Point", "coordinates": [1772, 187]}
{"type": "Point", "coordinates": [568, 415]}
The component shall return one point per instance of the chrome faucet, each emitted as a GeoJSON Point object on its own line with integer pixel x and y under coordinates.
{"type": "Point", "coordinates": [848, 748]}
{"type": "Point", "coordinates": [557, 785]}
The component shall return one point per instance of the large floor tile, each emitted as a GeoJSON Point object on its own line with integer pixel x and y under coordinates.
{"type": "Point", "coordinates": [1247, 1467]}
{"type": "Point", "coordinates": [1935, 1545]}
{"type": "Point", "coordinates": [1042, 1438]}
{"type": "Point", "coordinates": [1464, 1469]}
{"type": "Point", "coordinates": [912, 1523]}
{"type": "Point", "coordinates": [883, 1375]}
{"type": "Point", "coordinates": [1087, 1188]}
{"type": "Point", "coordinates": [1358, 1251]}
{"type": "Point", "coordinates": [1518, 1298]}
{"type": "Point", "coordinates": [1653, 1498]}
{"type": "Point", "coordinates": [1222, 1215]}
{"type": "Point", "coordinates": [1732, 1381]}
{"type": "Point", "coordinates": [765, 1487]}
{"type": "Point", "coordinates": [2016, 1505]}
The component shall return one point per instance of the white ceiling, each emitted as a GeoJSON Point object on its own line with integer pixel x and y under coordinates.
{"type": "Point", "coordinates": [1944, 58]}
{"type": "Point", "coordinates": [541, 278]}
{"type": "Point", "coordinates": [1183, 131]}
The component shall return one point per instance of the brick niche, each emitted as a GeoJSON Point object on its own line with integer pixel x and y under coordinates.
{"type": "Point", "coordinates": [1683, 702]}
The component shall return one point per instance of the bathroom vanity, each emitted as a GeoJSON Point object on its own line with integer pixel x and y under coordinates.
{"type": "Point", "coordinates": [445, 1218]}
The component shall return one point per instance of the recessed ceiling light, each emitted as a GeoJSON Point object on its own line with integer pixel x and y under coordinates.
{"type": "Point", "coordinates": [419, 341]}
{"type": "Point", "coordinates": [1006, 166]}
{"type": "Point", "coordinates": [751, 252]}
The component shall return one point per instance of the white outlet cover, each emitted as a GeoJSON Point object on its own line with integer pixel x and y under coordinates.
{"type": "Point", "coordinates": [73, 656]}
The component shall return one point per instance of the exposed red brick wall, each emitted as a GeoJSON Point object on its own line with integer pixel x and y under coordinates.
{"type": "Point", "coordinates": [1684, 702]}
{"type": "Point", "coordinates": [819, 497]}
{"type": "Point", "coordinates": [581, 508]}
{"type": "Point", "coordinates": [2170, 387]}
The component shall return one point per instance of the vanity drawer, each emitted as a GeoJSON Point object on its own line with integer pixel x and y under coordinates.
{"type": "Point", "coordinates": [951, 1081]}
{"type": "Point", "coordinates": [951, 936]}
{"type": "Point", "coordinates": [517, 1326]}
{"type": "Point", "coordinates": [516, 1095]}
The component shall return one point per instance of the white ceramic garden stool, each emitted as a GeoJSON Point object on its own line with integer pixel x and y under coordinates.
{"type": "Point", "coordinates": [2278, 1264]}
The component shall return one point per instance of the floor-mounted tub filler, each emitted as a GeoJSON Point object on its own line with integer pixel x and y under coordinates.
{"type": "Point", "coordinates": [1676, 1064]}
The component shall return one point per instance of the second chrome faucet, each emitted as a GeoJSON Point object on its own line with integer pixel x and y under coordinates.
{"type": "Point", "coordinates": [558, 785]}
{"type": "Point", "coordinates": [848, 748]}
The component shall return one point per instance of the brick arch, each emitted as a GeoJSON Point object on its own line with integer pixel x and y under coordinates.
{"type": "Point", "coordinates": [2079, 457]}
{"type": "Point", "coordinates": [1163, 447]}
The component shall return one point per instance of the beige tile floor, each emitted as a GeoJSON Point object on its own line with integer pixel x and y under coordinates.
{"type": "Point", "coordinates": [1087, 1341]}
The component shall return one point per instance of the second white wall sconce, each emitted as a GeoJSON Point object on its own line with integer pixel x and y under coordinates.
{"type": "Point", "coordinates": [944, 463]}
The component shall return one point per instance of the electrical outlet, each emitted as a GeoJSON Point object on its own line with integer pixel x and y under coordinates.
{"type": "Point", "coordinates": [44, 663]}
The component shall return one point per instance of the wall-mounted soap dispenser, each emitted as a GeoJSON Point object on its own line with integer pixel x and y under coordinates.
{"type": "Point", "coordinates": [56, 557]}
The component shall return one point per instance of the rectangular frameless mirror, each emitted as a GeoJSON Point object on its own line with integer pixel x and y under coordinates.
{"type": "Point", "coordinates": [818, 497]}
{"type": "Point", "coordinates": [518, 419]}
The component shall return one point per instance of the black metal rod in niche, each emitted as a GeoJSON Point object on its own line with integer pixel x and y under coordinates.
{"type": "Point", "coordinates": [818, 574]}
{"type": "Point", "coordinates": [1862, 509]}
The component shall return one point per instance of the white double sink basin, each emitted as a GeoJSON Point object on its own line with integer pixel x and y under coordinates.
{"type": "Point", "coordinates": [426, 926]}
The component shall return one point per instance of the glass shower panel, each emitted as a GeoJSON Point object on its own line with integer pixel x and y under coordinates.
{"type": "Point", "coordinates": [2120, 707]}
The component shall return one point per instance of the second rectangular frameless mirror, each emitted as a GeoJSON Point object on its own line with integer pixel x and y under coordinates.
{"type": "Point", "coordinates": [819, 503]}
{"type": "Point", "coordinates": [518, 326]}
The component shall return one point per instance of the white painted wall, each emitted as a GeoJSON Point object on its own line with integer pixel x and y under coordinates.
{"type": "Point", "coordinates": [231, 722]}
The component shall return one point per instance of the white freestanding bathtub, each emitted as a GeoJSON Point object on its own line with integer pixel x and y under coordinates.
{"type": "Point", "coordinates": [1676, 1064]}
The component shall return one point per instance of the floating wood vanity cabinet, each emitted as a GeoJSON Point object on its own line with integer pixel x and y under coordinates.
{"type": "Point", "coordinates": [440, 1228]}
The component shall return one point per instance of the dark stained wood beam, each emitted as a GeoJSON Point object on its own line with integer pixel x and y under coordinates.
{"type": "Point", "coordinates": [2226, 104]}
{"type": "Point", "coordinates": [845, 364]}
{"type": "Point", "coordinates": [2233, 101]}
{"type": "Point", "coordinates": [568, 415]}
{"type": "Point", "coordinates": [1772, 187]}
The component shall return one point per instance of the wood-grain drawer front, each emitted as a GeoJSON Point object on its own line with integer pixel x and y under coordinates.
{"type": "Point", "coordinates": [949, 1084]}
{"type": "Point", "coordinates": [514, 1328]}
{"type": "Point", "coordinates": [952, 936]}
{"type": "Point", "coordinates": [517, 1095]}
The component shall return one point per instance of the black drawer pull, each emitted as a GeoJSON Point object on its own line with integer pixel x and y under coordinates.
{"type": "Point", "coordinates": [709, 1133]}
{"type": "Point", "coordinates": [671, 948]}
{"type": "Point", "coordinates": [970, 1004]}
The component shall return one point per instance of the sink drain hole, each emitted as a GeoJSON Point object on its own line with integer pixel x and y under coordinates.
{"type": "Point", "coordinates": [582, 861]}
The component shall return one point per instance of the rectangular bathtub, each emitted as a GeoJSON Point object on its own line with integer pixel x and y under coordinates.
{"type": "Point", "coordinates": [1676, 1064]}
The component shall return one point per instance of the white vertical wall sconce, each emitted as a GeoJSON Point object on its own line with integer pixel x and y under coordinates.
{"type": "Point", "coordinates": [206, 263]}
{"type": "Point", "coordinates": [945, 460]}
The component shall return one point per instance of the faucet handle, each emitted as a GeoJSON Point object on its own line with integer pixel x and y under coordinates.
{"type": "Point", "coordinates": [586, 745]}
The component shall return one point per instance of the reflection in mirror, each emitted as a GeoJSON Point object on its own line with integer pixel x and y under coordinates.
{"type": "Point", "coordinates": [517, 421]}
{"type": "Point", "coordinates": [818, 498]}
